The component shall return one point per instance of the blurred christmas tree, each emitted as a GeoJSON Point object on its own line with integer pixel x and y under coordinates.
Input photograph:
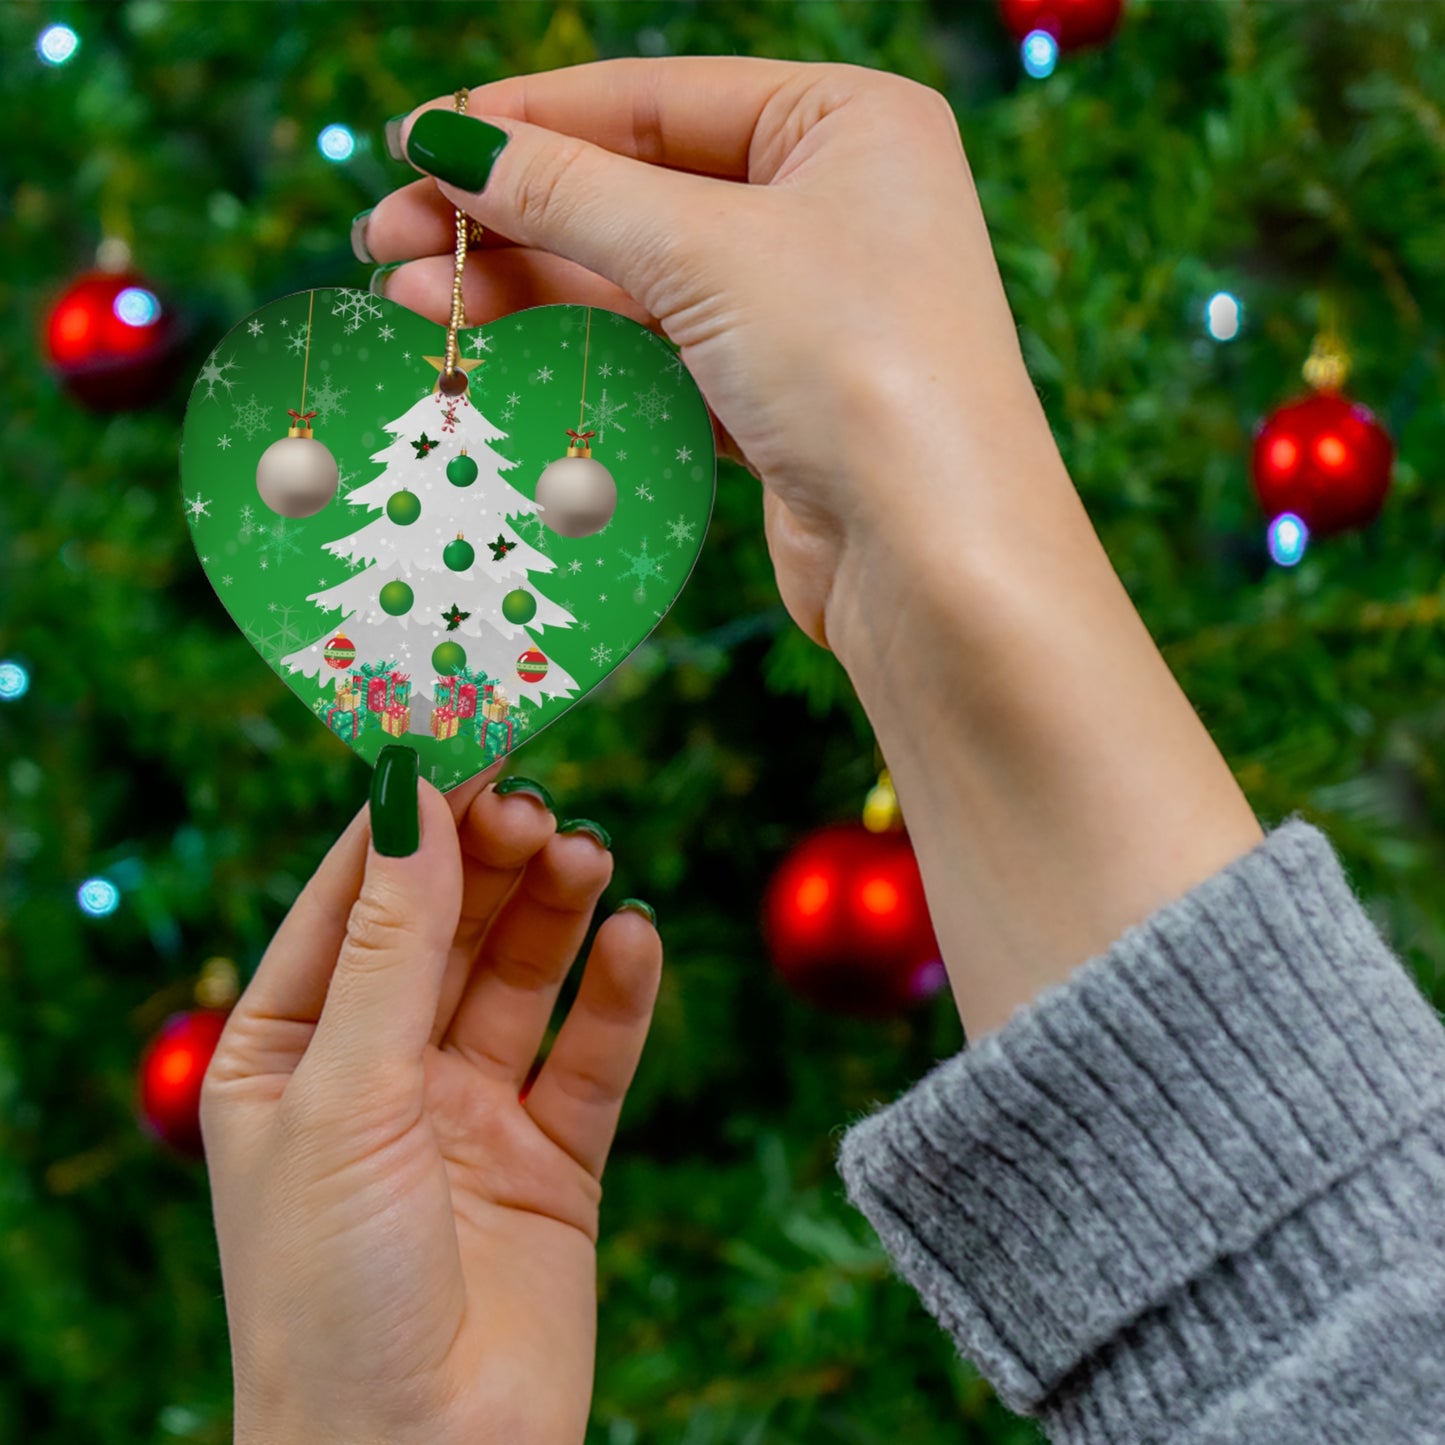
{"type": "Point", "coordinates": [1211, 155]}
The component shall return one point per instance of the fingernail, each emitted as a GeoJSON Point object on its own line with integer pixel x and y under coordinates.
{"type": "Point", "coordinates": [393, 136]}
{"type": "Point", "coordinates": [377, 285]}
{"type": "Point", "coordinates": [359, 248]}
{"type": "Point", "coordinates": [586, 825]}
{"type": "Point", "coordinates": [526, 785]}
{"type": "Point", "coordinates": [636, 905]}
{"type": "Point", "coordinates": [455, 148]}
{"type": "Point", "coordinates": [395, 813]}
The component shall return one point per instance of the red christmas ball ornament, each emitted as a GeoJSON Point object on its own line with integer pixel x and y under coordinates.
{"type": "Point", "coordinates": [532, 665]}
{"type": "Point", "coordinates": [1072, 23]}
{"type": "Point", "coordinates": [111, 341]}
{"type": "Point", "coordinates": [340, 652]}
{"type": "Point", "coordinates": [171, 1071]}
{"type": "Point", "coordinates": [847, 924]}
{"type": "Point", "coordinates": [1326, 459]}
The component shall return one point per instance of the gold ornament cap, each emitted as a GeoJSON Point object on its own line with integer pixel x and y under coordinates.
{"type": "Point", "coordinates": [578, 446]}
{"type": "Point", "coordinates": [300, 425]}
{"type": "Point", "coordinates": [881, 813]}
{"type": "Point", "coordinates": [219, 984]}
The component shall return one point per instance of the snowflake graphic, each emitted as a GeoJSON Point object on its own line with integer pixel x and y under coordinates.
{"type": "Point", "coordinates": [227, 580]}
{"type": "Point", "coordinates": [684, 454]}
{"type": "Point", "coordinates": [346, 479]}
{"type": "Point", "coordinates": [679, 530]}
{"type": "Point", "coordinates": [386, 333]}
{"type": "Point", "coordinates": [251, 417]}
{"type": "Point", "coordinates": [300, 339]}
{"type": "Point", "coordinates": [652, 406]}
{"type": "Point", "coordinates": [535, 531]}
{"type": "Point", "coordinates": [544, 375]}
{"type": "Point", "coordinates": [643, 494]}
{"type": "Point", "coordinates": [603, 414]}
{"type": "Point", "coordinates": [279, 543]}
{"type": "Point", "coordinates": [575, 565]}
{"type": "Point", "coordinates": [601, 655]}
{"type": "Point", "coordinates": [674, 367]}
{"type": "Point", "coordinates": [587, 627]}
{"type": "Point", "coordinates": [621, 456]}
{"type": "Point", "coordinates": [224, 443]}
{"type": "Point", "coordinates": [248, 527]}
{"type": "Point", "coordinates": [615, 319]}
{"type": "Point", "coordinates": [523, 720]}
{"type": "Point", "coordinates": [642, 568]}
{"type": "Point", "coordinates": [605, 369]}
{"type": "Point", "coordinates": [256, 326]}
{"type": "Point", "coordinates": [326, 400]}
{"type": "Point", "coordinates": [513, 399]}
{"type": "Point", "coordinates": [481, 343]}
{"type": "Point", "coordinates": [198, 507]}
{"type": "Point", "coordinates": [356, 308]}
{"type": "Point", "coordinates": [213, 373]}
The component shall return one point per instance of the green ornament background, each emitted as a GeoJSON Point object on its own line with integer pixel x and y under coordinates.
{"type": "Point", "coordinates": [367, 366]}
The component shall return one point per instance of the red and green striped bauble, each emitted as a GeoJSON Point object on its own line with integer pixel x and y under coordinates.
{"type": "Point", "coordinates": [340, 652]}
{"type": "Point", "coordinates": [531, 666]}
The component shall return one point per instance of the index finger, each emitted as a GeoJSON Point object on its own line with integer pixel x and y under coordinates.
{"type": "Point", "coordinates": [699, 113]}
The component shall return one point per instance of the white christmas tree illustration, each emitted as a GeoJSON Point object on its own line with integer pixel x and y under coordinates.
{"type": "Point", "coordinates": [387, 551]}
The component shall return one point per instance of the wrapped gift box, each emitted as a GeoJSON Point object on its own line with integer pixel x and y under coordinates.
{"type": "Point", "coordinates": [444, 723]}
{"type": "Point", "coordinates": [396, 719]}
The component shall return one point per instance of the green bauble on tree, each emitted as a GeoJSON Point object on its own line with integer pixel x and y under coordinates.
{"type": "Point", "coordinates": [448, 657]}
{"type": "Point", "coordinates": [403, 507]}
{"type": "Point", "coordinates": [459, 554]}
{"type": "Point", "coordinates": [519, 605]}
{"type": "Point", "coordinates": [395, 598]}
{"type": "Point", "coordinates": [461, 470]}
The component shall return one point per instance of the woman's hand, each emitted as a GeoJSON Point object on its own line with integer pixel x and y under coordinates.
{"type": "Point", "coordinates": [811, 238]}
{"type": "Point", "coordinates": [408, 1248]}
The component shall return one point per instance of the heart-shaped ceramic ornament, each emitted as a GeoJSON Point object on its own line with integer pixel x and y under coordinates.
{"type": "Point", "coordinates": [451, 571]}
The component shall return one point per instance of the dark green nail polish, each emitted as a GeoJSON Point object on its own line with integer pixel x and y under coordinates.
{"type": "Point", "coordinates": [377, 285]}
{"type": "Point", "coordinates": [395, 813]}
{"type": "Point", "coordinates": [455, 148]}
{"type": "Point", "coordinates": [393, 136]}
{"type": "Point", "coordinates": [359, 248]}
{"type": "Point", "coordinates": [636, 905]}
{"type": "Point", "coordinates": [526, 785]}
{"type": "Point", "coordinates": [586, 825]}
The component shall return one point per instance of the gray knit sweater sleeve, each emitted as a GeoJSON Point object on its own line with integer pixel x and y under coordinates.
{"type": "Point", "coordinates": [1196, 1192]}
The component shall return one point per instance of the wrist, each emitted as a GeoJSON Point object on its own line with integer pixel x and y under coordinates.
{"type": "Point", "coordinates": [1057, 784]}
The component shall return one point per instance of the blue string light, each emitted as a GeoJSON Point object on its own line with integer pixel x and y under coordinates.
{"type": "Point", "coordinates": [14, 681]}
{"type": "Point", "coordinates": [137, 307]}
{"type": "Point", "coordinates": [336, 143]}
{"type": "Point", "coordinates": [1040, 52]}
{"type": "Point", "coordinates": [98, 897]}
{"type": "Point", "coordinates": [57, 44]}
{"type": "Point", "coordinates": [1223, 316]}
{"type": "Point", "coordinates": [1288, 537]}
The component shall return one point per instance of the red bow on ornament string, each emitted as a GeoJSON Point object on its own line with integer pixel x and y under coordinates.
{"type": "Point", "coordinates": [579, 438]}
{"type": "Point", "coordinates": [301, 420]}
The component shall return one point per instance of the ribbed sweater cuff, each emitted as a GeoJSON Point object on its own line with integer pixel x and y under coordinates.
{"type": "Point", "coordinates": [1110, 1164]}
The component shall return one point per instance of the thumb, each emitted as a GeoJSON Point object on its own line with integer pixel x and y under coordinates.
{"type": "Point", "coordinates": [630, 222]}
{"type": "Point", "coordinates": [382, 999]}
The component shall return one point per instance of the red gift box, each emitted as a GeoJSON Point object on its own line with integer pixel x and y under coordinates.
{"type": "Point", "coordinates": [382, 692]}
